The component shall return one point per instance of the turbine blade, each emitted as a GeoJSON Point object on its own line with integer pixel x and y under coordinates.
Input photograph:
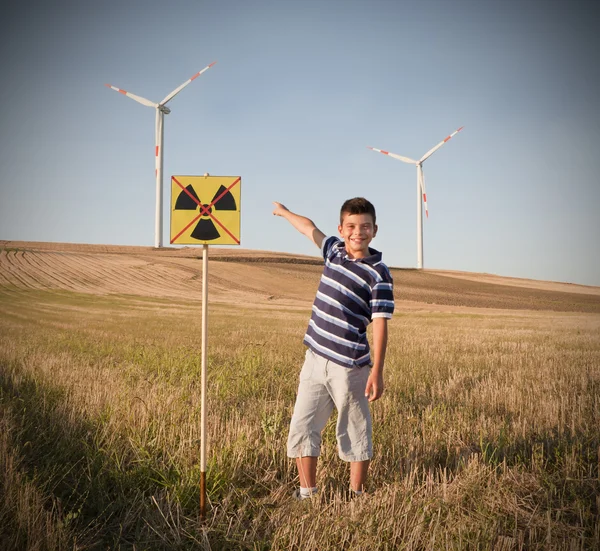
{"type": "Point", "coordinates": [180, 88]}
{"type": "Point", "coordinates": [139, 99]}
{"type": "Point", "coordinates": [431, 151]}
{"type": "Point", "coordinates": [399, 157]}
{"type": "Point", "coordinates": [422, 186]}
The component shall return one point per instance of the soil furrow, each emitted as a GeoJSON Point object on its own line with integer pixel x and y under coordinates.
{"type": "Point", "coordinates": [155, 275]}
{"type": "Point", "coordinates": [51, 270]}
{"type": "Point", "coordinates": [15, 269]}
{"type": "Point", "coordinates": [95, 274]}
{"type": "Point", "coordinates": [83, 271]}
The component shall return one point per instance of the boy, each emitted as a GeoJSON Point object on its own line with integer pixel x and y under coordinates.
{"type": "Point", "coordinates": [339, 369]}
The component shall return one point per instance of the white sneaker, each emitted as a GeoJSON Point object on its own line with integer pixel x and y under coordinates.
{"type": "Point", "coordinates": [299, 497]}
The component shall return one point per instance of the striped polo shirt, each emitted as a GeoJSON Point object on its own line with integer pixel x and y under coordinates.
{"type": "Point", "coordinates": [351, 293]}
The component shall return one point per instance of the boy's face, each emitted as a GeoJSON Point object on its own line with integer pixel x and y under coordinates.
{"type": "Point", "coordinates": [357, 231]}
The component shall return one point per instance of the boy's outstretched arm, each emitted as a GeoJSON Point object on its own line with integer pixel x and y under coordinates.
{"type": "Point", "coordinates": [374, 388]}
{"type": "Point", "coordinates": [301, 223]}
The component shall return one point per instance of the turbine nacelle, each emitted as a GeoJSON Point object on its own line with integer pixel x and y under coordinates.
{"type": "Point", "coordinates": [164, 109]}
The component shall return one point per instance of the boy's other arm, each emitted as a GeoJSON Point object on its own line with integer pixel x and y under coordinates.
{"type": "Point", "coordinates": [304, 225]}
{"type": "Point", "coordinates": [374, 388]}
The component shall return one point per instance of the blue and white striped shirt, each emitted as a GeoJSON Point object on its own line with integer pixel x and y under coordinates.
{"type": "Point", "coordinates": [351, 293]}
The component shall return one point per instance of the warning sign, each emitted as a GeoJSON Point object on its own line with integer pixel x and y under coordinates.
{"type": "Point", "coordinates": [205, 210]}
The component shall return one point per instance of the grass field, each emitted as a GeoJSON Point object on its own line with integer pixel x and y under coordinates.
{"type": "Point", "coordinates": [487, 437]}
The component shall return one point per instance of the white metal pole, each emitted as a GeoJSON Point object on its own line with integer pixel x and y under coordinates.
{"type": "Point", "coordinates": [159, 178]}
{"type": "Point", "coordinates": [203, 381]}
{"type": "Point", "coordinates": [419, 220]}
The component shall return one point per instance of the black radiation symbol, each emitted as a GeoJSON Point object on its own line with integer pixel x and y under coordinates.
{"type": "Point", "coordinates": [205, 229]}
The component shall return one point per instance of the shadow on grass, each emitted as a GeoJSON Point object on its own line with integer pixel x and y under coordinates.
{"type": "Point", "coordinates": [106, 497]}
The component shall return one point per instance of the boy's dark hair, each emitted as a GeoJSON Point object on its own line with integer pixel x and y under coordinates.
{"type": "Point", "coordinates": [357, 205]}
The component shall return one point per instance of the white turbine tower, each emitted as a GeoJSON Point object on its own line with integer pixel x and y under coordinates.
{"type": "Point", "coordinates": [421, 195]}
{"type": "Point", "coordinates": [161, 111]}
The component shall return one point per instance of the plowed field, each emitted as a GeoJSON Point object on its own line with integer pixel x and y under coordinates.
{"type": "Point", "coordinates": [260, 278]}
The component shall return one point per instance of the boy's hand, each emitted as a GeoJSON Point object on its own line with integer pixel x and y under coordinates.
{"type": "Point", "coordinates": [279, 209]}
{"type": "Point", "coordinates": [374, 388]}
{"type": "Point", "coordinates": [304, 225]}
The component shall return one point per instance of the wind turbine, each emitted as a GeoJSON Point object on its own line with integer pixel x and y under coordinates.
{"type": "Point", "coordinates": [420, 189]}
{"type": "Point", "coordinates": [161, 111]}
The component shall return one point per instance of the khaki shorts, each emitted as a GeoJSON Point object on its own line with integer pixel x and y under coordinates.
{"type": "Point", "coordinates": [323, 385]}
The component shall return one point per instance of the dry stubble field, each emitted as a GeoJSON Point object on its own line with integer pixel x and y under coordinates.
{"type": "Point", "coordinates": [487, 436]}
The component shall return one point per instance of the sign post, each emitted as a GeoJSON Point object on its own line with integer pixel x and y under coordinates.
{"type": "Point", "coordinates": [205, 210]}
{"type": "Point", "coordinates": [203, 381]}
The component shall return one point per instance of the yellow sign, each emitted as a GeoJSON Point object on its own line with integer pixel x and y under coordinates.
{"type": "Point", "coordinates": [205, 210]}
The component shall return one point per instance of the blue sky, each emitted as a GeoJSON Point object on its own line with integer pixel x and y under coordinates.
{"type": "Point", "coordinates": [299, 91]}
